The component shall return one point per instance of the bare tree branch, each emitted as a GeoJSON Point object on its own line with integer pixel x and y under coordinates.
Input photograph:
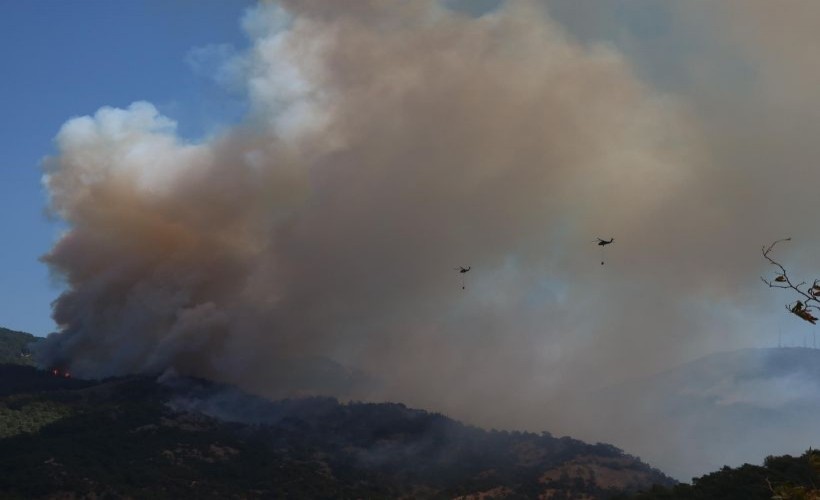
{"type": "Point", "coordinates": [811, 295]}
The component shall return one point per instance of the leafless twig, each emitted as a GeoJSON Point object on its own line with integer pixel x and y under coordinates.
{"type": "Point", "coordinates": [811, 295]}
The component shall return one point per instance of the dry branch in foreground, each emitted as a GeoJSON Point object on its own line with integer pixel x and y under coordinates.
{"type": "Point", "coordinates": [811, 294]}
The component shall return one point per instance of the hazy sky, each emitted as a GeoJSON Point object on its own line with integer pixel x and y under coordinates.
{"type": "Point", "coordinates": [64, 59]}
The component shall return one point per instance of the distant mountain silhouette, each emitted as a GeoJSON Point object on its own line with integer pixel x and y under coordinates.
{"type": "Point", "coordinates": [723, 409]}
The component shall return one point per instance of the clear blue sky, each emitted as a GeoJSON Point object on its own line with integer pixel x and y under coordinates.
{"type": "Point", "coordinates": [66, 58]}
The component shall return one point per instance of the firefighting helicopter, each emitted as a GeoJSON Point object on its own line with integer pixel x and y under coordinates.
{"type": "Point", "coordinates": [602, 243]}
{"type": "Point", "coordinates": [462, 270]}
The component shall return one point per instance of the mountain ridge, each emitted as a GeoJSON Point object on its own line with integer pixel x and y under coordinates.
{"type": "Point", "coordinates": [171, 437]}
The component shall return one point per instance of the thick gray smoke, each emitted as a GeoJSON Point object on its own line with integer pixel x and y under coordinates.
{"type": "Point", "coordinates": [311, 249]}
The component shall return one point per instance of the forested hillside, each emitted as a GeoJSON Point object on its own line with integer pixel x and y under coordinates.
{"type": "Point", "coordinates": [172, 437]}
{"type": "Point", "coordinates": [14, 347]}
{"type": "Point", "coordinates": [784, 478]}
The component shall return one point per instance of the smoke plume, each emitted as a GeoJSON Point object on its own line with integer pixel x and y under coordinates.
{"type": "Point", "coordinates": [310, 249]}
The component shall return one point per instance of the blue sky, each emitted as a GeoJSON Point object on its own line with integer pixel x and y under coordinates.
{"type": "Point", "coordinates": [62, 59]}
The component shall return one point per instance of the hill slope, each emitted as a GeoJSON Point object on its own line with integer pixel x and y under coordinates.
{"type": "Point", "coordinates": [174, 437]}
{"type": "Point", "coordinates": [141, 438]}
{"type": "Point", "coordinates": [14, 347]}
{"type": "Point", "coordinates": [784, 477]}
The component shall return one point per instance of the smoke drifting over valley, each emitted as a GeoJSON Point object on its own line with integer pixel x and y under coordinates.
{"type": "Point", "coordinates": [310, 249]}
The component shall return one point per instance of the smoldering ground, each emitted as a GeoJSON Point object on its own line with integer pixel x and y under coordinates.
{"type": "Point", "coordinates": [310, 249]}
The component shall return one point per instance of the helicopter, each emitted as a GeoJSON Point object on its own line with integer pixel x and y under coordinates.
{"type": "Point", "coordinates": [462, 270]}
{"type": "Point", "coordinates": [602, 243]}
